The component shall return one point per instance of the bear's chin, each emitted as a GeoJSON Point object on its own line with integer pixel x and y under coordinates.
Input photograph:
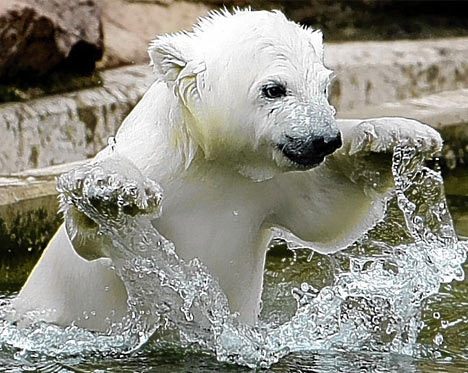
{"type": "Point", "coordinates": [304, 165]}
{"type": "Point", "coordinates": [300, 161]}
{"type": "Point", "coordinates": [286, 163]}
{"type": "Point", "coordinates": [259, 174]}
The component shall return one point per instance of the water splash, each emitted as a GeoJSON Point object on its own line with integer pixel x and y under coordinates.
{"type": "Point", "coordinates": [372, 303]}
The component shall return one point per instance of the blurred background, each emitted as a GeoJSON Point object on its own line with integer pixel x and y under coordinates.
{"type": "Point", "coordinates": [70, 71]}
{"type": "Point", "coordinates": [43, 40]}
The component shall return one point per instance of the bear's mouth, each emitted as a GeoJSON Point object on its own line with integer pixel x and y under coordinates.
{"type": "Point", "coordinates": [308, 154]}
{"type": "Point", "coordinates": [301, 161]}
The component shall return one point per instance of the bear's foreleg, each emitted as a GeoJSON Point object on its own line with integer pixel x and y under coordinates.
{"type": "Point", "coordinates": [333, 204]}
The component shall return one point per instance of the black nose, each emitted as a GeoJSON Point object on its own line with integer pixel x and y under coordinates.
{"type": "Point", "coordinates": [323, 147]}
{"type": "Point", "coordinates": [310, 152]}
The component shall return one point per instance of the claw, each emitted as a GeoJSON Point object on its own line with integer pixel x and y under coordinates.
{"type": "Point", "coordinates": [383, 134]}
{"type": "Point", "coordinates": [100, 189]}
{"type": "Point", "coordinates": [365, 137]}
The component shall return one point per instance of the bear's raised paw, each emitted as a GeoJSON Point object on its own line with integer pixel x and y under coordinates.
{"type": "Point", "coordinates": [107, 191]}
{"type": "Point", "coordinates": [383, 134]}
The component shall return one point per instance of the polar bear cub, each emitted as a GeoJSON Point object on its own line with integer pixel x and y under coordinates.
{"type": "Point", "coordinates": [238, 131]}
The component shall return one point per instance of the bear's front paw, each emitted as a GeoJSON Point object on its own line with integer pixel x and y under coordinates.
{"type": "Point", "coordinates": [106, 191]}
{"type": "Point", "coordinates": [383, 134]}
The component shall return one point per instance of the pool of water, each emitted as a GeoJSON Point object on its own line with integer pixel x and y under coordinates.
{"type": "Point", "coordinates": [292, 277]}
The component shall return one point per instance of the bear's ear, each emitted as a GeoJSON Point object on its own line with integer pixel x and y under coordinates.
{"type": "Point", "coordinates": [169, 55]}
{"type": "Point", "coordinates": [317, 42]}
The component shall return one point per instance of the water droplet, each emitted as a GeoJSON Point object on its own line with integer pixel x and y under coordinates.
{"type": "Point", "coordinates": [438, 339]}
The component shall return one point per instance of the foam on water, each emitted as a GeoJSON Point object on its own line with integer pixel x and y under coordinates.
{"type": "Point", "coordinates": [373, 302]}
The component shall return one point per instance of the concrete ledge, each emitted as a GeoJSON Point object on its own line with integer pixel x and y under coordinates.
{"type": "Point", "coordinates": [69, 127]}
{"type": "Point", "coordinates": [447, 112]}
{"type": "Point", "coordinates": [30, 185]}
{"type": "Point", "coordinates": [370, 73]}
{"type": "Point", "coordinates": [28, 219]}
{"type": "Point", "coordinates": [439, 110]}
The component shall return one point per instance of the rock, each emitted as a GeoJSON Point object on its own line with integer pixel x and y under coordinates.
{"type": "Point", "coordinates": [130, 26]}
{"type": "Point", "coordinates": [38, 35]}
{"type": "Point", "coordinates": [71, 126]}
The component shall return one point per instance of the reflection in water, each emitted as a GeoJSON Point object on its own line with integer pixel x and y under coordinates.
{"type": "Point", "coordinates": [367, 299]}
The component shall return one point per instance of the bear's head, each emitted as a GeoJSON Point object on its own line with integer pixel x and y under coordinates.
{"type": "Point", "coordinates": [254, 90]}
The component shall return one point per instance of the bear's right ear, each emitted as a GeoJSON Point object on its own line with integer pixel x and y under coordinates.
{"type": "Point", "coordinates": [169, 55]}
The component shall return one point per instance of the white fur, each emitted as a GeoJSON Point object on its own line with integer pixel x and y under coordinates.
{"type": "Point", "coordinates": [204, 132]}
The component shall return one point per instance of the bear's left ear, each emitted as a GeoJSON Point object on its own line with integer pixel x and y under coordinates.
{"type": "Point", "coordinates": [317, 42]}
{"type": "Point", "coordinates": [170, 54]}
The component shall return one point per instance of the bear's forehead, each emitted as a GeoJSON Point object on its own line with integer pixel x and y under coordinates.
{"type": "Point", "coordinates": [257, 47]}
{"type": "Point", "coordinates": [256, 33]}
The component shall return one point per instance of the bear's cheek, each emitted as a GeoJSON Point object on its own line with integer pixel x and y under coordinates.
{"type": "Point", "coordinates": [220, 141]}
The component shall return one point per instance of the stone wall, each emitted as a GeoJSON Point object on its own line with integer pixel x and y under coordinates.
{"type": "Point", "coordinates": [64, 128]}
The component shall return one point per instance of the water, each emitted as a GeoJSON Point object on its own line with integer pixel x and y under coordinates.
{"type": "Point", "coordinates": [393, 301]}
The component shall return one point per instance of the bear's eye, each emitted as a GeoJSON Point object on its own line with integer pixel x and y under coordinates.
{"type": "Point", "coordinates": [274, 90]}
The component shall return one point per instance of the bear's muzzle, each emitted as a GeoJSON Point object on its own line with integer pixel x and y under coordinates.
{"type": "Point", "coordinates": [311, 151]}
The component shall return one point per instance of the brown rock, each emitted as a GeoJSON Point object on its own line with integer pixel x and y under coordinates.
{"type": "Point", "coordinates": [38, 35]}
{"type": "Point", "coordinates": [130, 26]}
